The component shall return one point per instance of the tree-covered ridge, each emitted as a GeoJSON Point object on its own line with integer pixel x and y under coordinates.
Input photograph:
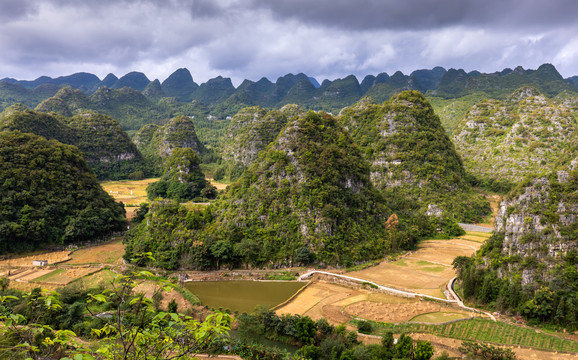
{"type": "Point", "coordinates": [249, 132]}
{"type": "Point", "coordinates": [106, 146]}
{"type": "Point", "coordinates": [412, 159]}
{"type": "Point", "coordinates": [157, 142]}
{"type": "Point", "coordinates": [308, 197]}
{"type": "Point", "coordinates": [457, 83]}
{"type": "Point", "coordinates": [530, 264]}
{"type": "Point", "coordinates": [49, 195]}
{"type": "Point", "coordinates": [524, 134]}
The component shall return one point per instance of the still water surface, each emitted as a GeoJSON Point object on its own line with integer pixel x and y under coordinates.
{"type": "Point", "coordinates": [243, 295]}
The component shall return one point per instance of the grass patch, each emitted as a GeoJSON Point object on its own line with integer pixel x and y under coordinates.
{"type": "Point", "coordinates": [434, 269]}
{"type": "Point", "coordinates": [50, 276]}
{"type": "Point", "coordinates": [285, 275]}
{"type": "Point", "coordinates": [363, 266]}
{"type": "Point", "coordinates": [487, 331]}
{"type": "Point", "coordinates": [439, 317]}
{"type": "Point", "coordinates": [400, 262]}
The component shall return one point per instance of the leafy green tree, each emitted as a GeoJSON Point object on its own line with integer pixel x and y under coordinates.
{"type": "Point", "coordinates": [309, 352]}
{"type": "Point", "coordinates": [423, 350]}
{"type": "Point", "coordinates": [50, 195]}
{"type": "Point", "coordinates": [404, 348]}
{"type": "Point", "coordinates": [306, 330]}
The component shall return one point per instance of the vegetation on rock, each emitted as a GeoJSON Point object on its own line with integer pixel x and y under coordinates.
{"type": "Point", "coordinates": [249, 132]}
{"type": "Point", "coordinates": [107, 148]}
{"type": "Point", "coordinates": [157, 142]}
{"type": "Point", "coordinates": [413, 162]}
{"type": "Point", "coordinates": [503, 141]}
{"type": "Point", "coordinates": [530, 265]}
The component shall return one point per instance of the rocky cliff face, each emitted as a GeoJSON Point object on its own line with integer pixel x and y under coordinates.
{"type": "Point", "coordinates": [527, 133]}
{"type": "Point", "coordinates": [540, 219]}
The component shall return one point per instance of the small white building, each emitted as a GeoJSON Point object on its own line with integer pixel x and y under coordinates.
{"type": "Point", "coordinates": [40, 262]}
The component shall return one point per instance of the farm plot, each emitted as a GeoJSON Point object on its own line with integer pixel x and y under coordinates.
{"type": "Point", "coordinates": [62, 276]}
{"type": "Point", "coordinates": [402, 312]}
{"type": "Point", "coordinates": [110, 253]}
{"type": "Point", "coordinates": [493, 332]}
{"type": "Point", "coordinates": [52, 258]}
{"type": "Point", "coordinates": [130, 192]}
{"type": "Point", "coordinates": [425, 271]}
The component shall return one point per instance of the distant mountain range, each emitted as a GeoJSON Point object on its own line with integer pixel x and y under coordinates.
{"type": "Point", "coordinates": [224, 99]}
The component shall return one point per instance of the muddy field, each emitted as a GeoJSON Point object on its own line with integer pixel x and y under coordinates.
{"type": "Point", "coordinates": [148, 289]}
{"type": "Point", "coordinates": [339, 304]}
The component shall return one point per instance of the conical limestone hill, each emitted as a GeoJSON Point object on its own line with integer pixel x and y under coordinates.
{"type": "Point", "coordinates": [157, 142]}
{"type": "Point", "coordinates": [413, 162]}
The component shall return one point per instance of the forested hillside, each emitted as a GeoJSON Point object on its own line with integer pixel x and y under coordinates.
{"type": "Point", "coordinates": [106, 146]}
{"type": "Point", "coordinates": [249, 132]}
{"type": "Point", "coordinates": [157, 142]}
{"type": "Point", "coordinates": [49, 195]}
{"type": "Point", "coordinates": [308, 198]}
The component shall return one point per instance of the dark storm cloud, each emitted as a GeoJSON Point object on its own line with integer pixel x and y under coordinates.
{"type": "Point", "coordinates": [423, 14]}
{"type": "Point", "coordinates": [12, 10]}
{"type": "Point", "coordinates": [255, 38]}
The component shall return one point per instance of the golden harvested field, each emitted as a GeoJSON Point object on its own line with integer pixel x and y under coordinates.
{"type": "Point", "coordinates": [134, 192]}
{"type": "Point", "coordinates": [130, 192]}
{"type": "Point", "coordinates": [424, 271]}
{"type": "Point", "coordinates": [52, 258]}
{"type": "Point", "coordinates": [110, 253]}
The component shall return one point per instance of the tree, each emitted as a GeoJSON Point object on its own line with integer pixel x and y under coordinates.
{"type": "Point", "coordinates": [136, 331]}
{"type": "Point", "coordinates": [423, 350]}
{"type": "Point", "coordinates": [404, 348]}
{"type": "Point", "coordinates": [306, 330]}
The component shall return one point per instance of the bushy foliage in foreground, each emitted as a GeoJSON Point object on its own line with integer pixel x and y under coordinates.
{"type": "Point", "coordinates": [123, 324]}
{"type": "Point", "coordinates": [319, 340]}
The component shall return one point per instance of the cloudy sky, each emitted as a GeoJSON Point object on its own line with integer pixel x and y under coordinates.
{"type": "Point", "coordinates": [254, 38]}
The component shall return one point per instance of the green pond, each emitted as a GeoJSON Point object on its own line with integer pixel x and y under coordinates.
{"type": "Point", "coordinates": [243, 295]}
